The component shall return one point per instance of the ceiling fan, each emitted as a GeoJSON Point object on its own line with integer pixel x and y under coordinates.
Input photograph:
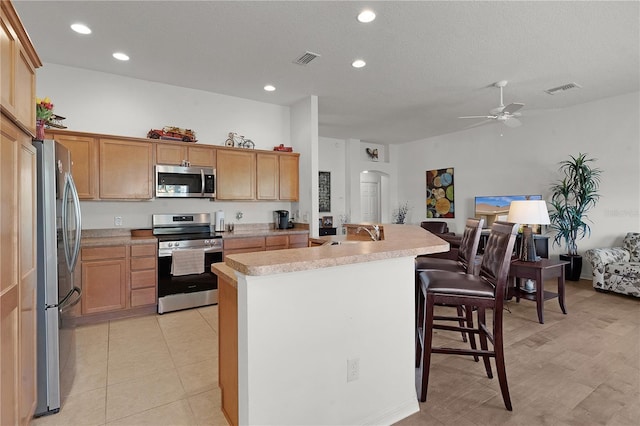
{"type": "Point", "coordinates": [506, 114]}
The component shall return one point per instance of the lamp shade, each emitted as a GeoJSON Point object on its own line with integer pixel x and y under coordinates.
{"type": "Point", "coordinates": [529, 212]}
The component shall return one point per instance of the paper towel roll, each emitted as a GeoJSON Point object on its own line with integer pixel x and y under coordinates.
{"type": "Point", "coordinates": [219, 221]}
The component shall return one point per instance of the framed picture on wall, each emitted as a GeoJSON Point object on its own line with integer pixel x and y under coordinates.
{"type": "Point", "coordinates": [440, 193]}
{"type": "Point", "coordinates": [324, 191]}
{"type": "Point", "coordinates": [327, 221]}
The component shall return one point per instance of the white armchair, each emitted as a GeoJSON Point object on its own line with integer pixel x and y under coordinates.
{"type": "Point", "coordinates": [617, 268]}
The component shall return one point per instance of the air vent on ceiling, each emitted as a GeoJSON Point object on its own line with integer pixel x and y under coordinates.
{"type": "Point", "coordinates": [563, 88]}
{"type": "Point", "coordinates": [305, 58]}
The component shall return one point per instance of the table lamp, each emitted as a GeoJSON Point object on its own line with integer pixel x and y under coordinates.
{"type": "Point", "coordinates": [528, 212]}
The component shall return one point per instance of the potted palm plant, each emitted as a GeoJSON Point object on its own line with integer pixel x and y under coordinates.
{"type": "Point", "coordinates": [571, 198]}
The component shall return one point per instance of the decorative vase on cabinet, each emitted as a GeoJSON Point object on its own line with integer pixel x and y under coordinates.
{"type": "Point", "coordinates": [40, 129]}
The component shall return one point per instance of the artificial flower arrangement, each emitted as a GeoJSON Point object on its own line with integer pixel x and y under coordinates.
{"type": "Point", "coordinates": [44, 109]}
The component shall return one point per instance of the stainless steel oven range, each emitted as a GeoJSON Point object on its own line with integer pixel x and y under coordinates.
{"type": "Point", "coordinates": [186, 250]}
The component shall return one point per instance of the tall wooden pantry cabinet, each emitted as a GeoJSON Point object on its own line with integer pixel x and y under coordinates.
{"type": "Point", "coordinates": [18, 277]}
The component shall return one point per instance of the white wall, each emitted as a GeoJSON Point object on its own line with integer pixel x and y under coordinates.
{"type": "Point", "coordinates": [496, 160]}
{"type": "Point", "coordinates": [292, 357]}
{"type": "Point", "coordinates": [105, 103]}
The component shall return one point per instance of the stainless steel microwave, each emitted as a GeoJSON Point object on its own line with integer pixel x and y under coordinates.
{"type": "Point", "coordinates": [185, 182]}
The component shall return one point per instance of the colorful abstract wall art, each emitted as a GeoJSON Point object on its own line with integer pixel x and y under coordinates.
{"type": "Point", "coordinates": [440, 193]}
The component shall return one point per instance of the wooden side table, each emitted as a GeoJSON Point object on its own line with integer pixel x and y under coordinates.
{"type": "Point", "coordinates": [539, 271]}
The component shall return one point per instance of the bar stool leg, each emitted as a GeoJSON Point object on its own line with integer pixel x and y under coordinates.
{"type": "Point", "coordinates": [483, 341]}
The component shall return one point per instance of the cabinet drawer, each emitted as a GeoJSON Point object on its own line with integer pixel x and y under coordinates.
{"type": "Point", "coordinates": [141, 279]}
{"type": "Point", "coordinates": [255, 243]}
{"type": "Point", "coordinates": [144, 296]}
{"type": "Point", "coordinates": [274, 242]}
{"type": "Point", "coordinates": [139, 263]}
{"type": "Point", "coordinates": [143, 250]}
{"type": "Point", "coordinates": [298, 240]}
{"type": "Point", "coordinates": [95, 253]}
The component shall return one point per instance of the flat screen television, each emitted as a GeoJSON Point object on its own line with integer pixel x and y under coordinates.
{"type": "Point", "coordinates": [496, 207]}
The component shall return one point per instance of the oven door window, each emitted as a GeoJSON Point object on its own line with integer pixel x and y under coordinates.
{"type": "Point", "coordinates": [168, 284]}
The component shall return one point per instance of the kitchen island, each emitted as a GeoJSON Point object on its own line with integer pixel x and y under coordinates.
{"type": "Point", "coordinates": [321, 335]}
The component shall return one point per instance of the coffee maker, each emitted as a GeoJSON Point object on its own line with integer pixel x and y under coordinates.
{"type": "Point", "coordinates": [281, 219]}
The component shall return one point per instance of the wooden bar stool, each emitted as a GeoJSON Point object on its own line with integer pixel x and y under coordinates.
{"type": "Point", "coordinates": [466, 263]}
{"type": "Point", "coordinates": [479, 292]}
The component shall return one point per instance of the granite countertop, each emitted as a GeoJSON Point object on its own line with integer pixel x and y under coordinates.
{"type": "Point", "coordinates": [244, 233]}
{"type": "Point", "coordinates": [117, 236]}
{"type": "Point", "coordinates": [116, 241]}
{"type": "Point", "coordinates": [400, 241]}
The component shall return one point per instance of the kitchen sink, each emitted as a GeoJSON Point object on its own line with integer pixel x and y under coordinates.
{"type": "Point", "coordinates": [340, 243]}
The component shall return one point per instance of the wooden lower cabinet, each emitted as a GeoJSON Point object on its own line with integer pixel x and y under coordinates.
{"type": "Point", "coordinates": [143, 274]}
{"type": "Point", "coordinates": [104, 279]}
{"type": "Point", "coordinates": [276, 242]}
{"type": "Point", "coordinates": [298, 240]}
{"type": "Point", "coordinates": [270, 242]}
{"type": "Point", "coordinates": [243, 245]}
{"type": "Point", "coordinates": [228, 347]}
{"type": "Point", "coordinates": [118, 281]}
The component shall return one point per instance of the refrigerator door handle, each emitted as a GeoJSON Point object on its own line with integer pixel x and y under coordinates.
{"type": "Point", "coordinates": [63, 305]}
{"type": "Point", "coordinates": [71, 258]}
{"type": "Point", "coordinates": [78, 217]}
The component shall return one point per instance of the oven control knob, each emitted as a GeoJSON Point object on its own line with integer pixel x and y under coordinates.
{"type": "Point", "coordinates": [207, 242]}
{"type": "Point", "coordinates": [170, 244]}
{"type": "Point", "coordinates": [176, 244]}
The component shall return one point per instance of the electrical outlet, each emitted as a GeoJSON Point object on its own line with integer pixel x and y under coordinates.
{"type": "Point", "coordinates": [117, 220]}
{"type": "Point", "coordinates": [353, 369]}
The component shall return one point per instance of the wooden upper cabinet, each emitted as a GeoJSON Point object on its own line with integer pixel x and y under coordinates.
{"type": "Point", "coordinates": [236, 174]}
{"type": "Point", "coordinates": [267, 176]}
{"type": "Point", "coordinates": [170, 154]}
{"type": "Point", "coordinates": [176, 154]}
{"type": "Point", "coordinates": [84, 163]}
{"type": "Point", "coordinates": [289, 177]}
{"type": "Point", "coordinates": [18, 62]}
{"type": "Point", "coordinates": [126, 169]}
{"type": "Point", "coordinates": [202, 156]}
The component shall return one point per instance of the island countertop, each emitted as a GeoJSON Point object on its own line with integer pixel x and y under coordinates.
{"type": "Point", "coordinates": [400, 241]}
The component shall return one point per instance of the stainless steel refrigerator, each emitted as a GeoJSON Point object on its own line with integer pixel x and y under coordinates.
{"type": "Point", "coordinates": [58, 236]}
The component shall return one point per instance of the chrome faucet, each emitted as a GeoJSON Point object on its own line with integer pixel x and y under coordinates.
{"type": "Point", "coordinates": [375, 235]}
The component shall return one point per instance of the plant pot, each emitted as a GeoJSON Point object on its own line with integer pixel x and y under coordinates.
{"type": "Point", "coordinates": [572, 269]}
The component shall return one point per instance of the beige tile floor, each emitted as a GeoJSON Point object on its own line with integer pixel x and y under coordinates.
{"type": "Point", "coordinates": [577, 369]}
{"type": "Point", "coordinates": [153, 370]}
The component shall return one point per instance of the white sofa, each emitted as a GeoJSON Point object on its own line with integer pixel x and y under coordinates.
{"type": "Point", "coordinates": [617, 268]}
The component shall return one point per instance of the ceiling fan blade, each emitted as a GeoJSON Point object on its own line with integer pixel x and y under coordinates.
{"type": "Point", "coordinates": [480, 116]}
{"type": "Point", "coordinates": [511, 108]}
{"type": "Point", "coordinates": [482, 123]}
{"type": "Point", "coordinates": [512, 122]}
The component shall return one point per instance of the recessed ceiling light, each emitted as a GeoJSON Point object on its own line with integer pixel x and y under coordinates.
{"type": "Point", "coordinates": [366, 16]}
{"type": "Point", "coordinates": [358, 63]}
{"type": "Point", "coordinates": [81, 28]}
{"type": "Point", "coordinates": [269, 88]}
{"type": "Point", "coordinates": [121, 56]}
